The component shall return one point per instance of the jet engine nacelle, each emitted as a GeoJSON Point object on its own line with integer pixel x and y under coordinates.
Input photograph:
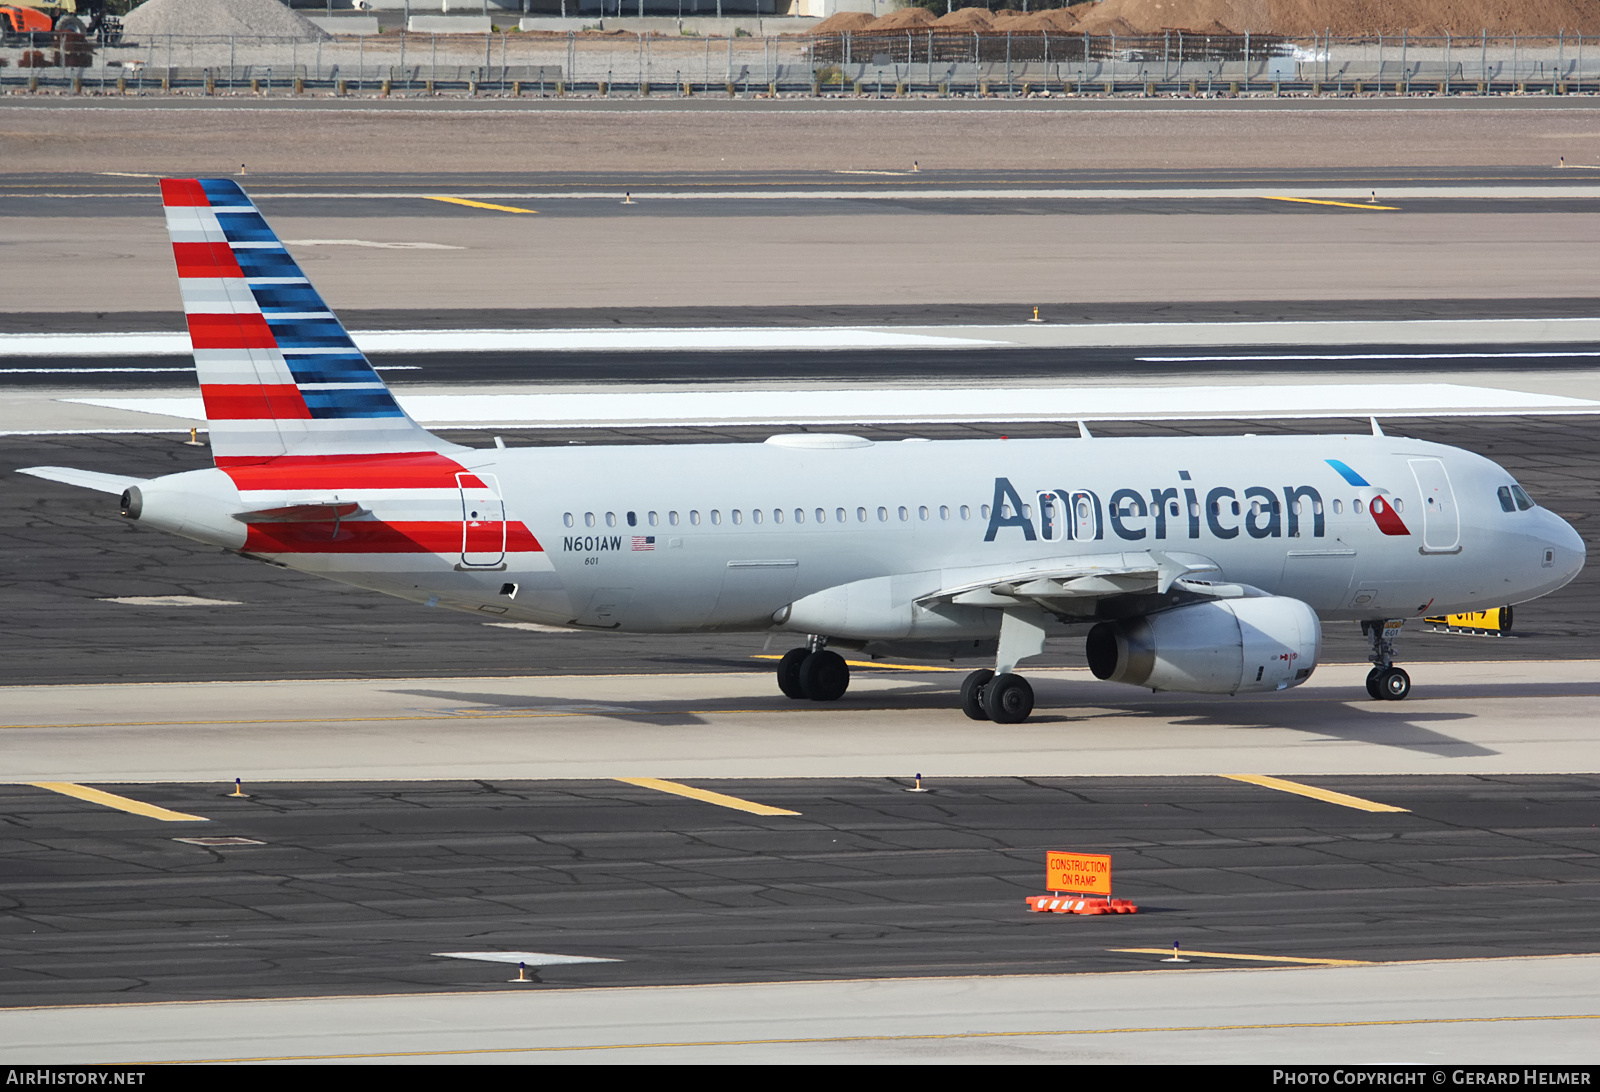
{"type": "Point", "coordinates": [1228, 646]}
{"type": "Point", "coordinates": [196, 504]}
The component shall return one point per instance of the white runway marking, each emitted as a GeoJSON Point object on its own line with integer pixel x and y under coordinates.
{"type": "Point", "coordinates": [171, 601]}
{"type": "Point", "coordinates": [479, 341]}
{"type": "Point", "coordinates": [369, 243]}
{"type": "Point", "coordinates": [873, 406]}
{"type": "Point", "coordinates": [532, 959]}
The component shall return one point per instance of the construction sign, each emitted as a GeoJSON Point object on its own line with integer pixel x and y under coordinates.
{"type": "Point", "coordinates": [1082, 873]}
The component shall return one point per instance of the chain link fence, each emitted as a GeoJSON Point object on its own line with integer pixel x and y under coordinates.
{"type": "Point", "coordinates": [883, 63]}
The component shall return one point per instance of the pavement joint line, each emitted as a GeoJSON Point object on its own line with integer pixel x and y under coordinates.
{"type": "Point", "coordinates": [483, 205]}
{"type": "Point", "coordinates": [1303, 960]}
{"type": "Point", "coordinates": [1369, 207]}
{"type": "Point", "coordinates": [927, 1037]}
{"type": "Point", "coordinates": [1325, 795]}
{"type": "Point", "coordinates": [705, 795]}
{"type": "Point", "coordinates": [120, 803]}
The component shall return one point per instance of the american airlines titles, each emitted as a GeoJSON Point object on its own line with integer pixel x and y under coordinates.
{"type": "Point", "coordinates": [1177, 512]}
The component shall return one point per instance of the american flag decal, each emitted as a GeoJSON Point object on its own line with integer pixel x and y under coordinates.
{"type": "Point", "coordinates": [644, 542]}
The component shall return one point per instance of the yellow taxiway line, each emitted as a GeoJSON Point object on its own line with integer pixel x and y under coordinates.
{"type": "Point", "coordinates": [871, 663]}
{"type": "Point", "coordinates": [1302, 960]}
{"type": "Point", "coordinates": [911, 1038]}
{"type": "Point", "coordinates": [121, 803]}
{"type": "Point", "coordinates": [1325, 795]}
{"type": "Point", "coordinates": [1337, 204]}
{"type": "Point", "coordinates": [705, 795]}
{"type": "Point", "coordinates": [483, 205]}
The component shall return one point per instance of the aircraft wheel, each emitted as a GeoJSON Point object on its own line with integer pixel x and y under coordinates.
{"type": "Point", "coordinates": [1373, 690]}
{"type": "Point", "coordinates": [789, 673]}
{"type": "Point", "coordinates": [1395, 684]}
{"type": "Point", "coordinates": [972, 694]}
{"type": "Point", "coordinates": [824, 676]}
{"type": "Point", "coordinates": [1008, 699]}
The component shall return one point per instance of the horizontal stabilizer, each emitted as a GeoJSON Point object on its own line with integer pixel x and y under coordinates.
{"type": "Point", "coordinates": [323, 512]}
{"type": "Point", "coordinates": [86, 479]}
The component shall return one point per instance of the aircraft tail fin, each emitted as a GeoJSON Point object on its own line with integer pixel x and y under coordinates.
{"type": "Point", "coordinates": [279, 373]}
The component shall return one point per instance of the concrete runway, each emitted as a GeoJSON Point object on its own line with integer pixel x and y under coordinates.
{"type": "Point", "coordinates": [819, 239]}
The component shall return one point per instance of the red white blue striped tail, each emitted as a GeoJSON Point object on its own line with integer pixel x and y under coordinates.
{"type": "Point", "coordinates": [279, 373]}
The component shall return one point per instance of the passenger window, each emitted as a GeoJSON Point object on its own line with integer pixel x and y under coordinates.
{"type": "Point", "coordinates": [905, 513]}
{"type": "Point", "coordinates": [694, 517]}
{"type": "Point", "coordinates": [1399, 504]}
{"type": "Point", "coordinates": [861, 515]}
{"type": "Point", "coordinates": [1174, 508]}
{"type": "Point", "coordinates": [652, 518]}
{"type": "Point", "coordinates": [822, 515]}
{"type": "Point", "coordinates": [1356, 505]}
{"type": "Point", "coordinates": [672, 518]}
{"type": "Point", "coordinates": [1504, 493]}
{"type": "Point", "coordinates": [611, 519]}
{"type": "Point", "coordinates": [883, 515]}
{"type": "Point", "coordinates": [984, 510]}
{"type": "Point", "coordinates": [633, 520]}
{"type": "Point", "coordinates": [569, 521]}
{"type": "Point", "coordinates": [1338, 507]}
{"type": "Point", "coordinates": [1524, 501]}
{"type": "Point", "coordinates": [799, 515]}
{"type": "Point", "coordinates": [755, 514]}
{"type": "Point", "coordinates": [737, 517]}
{"type": "Point", "coordinates": [777, 515]}
{"type": "Point", "coordinates": [966, 513]}
{"type": "Point", "coordinates": [1236, 508]}
{"type": "Point", "coordinates": [588, 519]}
{"type": "Point", "coordinates": [944, 511]}
{"type": "Point", "coordinates": [1027, 510]}
{"type": "Point", "coordinates": [716, 517]}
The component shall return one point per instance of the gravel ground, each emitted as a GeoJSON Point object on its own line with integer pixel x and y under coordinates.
{"type": "Point", "coordinates": [175, 136]}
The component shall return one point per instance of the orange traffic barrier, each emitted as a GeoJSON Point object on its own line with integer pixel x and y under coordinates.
{"type": "Point", "coordinates": [1071, 904]}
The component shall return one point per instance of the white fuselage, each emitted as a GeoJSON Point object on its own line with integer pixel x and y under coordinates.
{"type": "Point", "coordinates": [741, 530]}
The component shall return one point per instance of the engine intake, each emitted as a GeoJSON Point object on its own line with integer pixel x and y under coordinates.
{"type": "Point", "coordinates": [1229, 646]}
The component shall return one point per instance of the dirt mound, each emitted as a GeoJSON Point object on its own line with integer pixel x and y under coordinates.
{"type": "Point", "coordinates": [1302, 18]}
{"type": "Point", "coordinates": [843, 21]}
{"type": "Point", "coordinates": [977, 19]}
{"type": "Point", "coordinates": [220, 18]}
{"type": "Point", "coordinates": [1033, 22]}
{"type": "Point", "coordinates": [904, 19]}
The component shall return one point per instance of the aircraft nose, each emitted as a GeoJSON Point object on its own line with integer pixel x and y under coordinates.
{"type": "Point", "coordinates": [1564, 550]}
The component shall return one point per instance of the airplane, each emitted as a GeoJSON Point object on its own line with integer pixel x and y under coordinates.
{"type": "Point", "coordinates": [1200, 565]}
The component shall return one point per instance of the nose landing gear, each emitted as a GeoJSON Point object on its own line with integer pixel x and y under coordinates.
{"type": "Point", "coordinates": [1385, 682]}
{"type": "Point", "coordinates": [813, 673]}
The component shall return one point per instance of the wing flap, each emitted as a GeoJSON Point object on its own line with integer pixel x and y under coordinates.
{"type": "Point", "coordinates": [1076, 585]}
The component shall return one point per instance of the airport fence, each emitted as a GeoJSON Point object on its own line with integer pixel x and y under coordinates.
{"type": "Point", "coordinates": [877, 64]}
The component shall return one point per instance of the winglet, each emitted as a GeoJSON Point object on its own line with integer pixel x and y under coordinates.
{"type": "Point", "coordinates": [1377, 430]}
{"type": "Point", "coordinates": [1083, 431]}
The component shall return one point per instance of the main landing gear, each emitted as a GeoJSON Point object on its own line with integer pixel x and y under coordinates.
{"type": "Point", "coordinates": [1004, 699]}
{"type": "Point", "coordinates": [1385, 682]}
{"type": "Point", "coordinates": [813, 673]}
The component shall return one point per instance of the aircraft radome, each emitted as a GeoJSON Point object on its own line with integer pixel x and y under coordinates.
{"type": "Point", "coordinates": [1190, 564]}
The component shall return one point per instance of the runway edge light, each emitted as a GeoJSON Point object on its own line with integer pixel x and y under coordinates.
{"type": "Point", "coordinates": [1081, 874]}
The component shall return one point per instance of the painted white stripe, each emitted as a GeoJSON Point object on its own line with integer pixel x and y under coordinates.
{"type": "Point", "coordinates": [869, 405]}
{"type": "Point", "coordinates": [1134, 335]}
{"type": "Point", "coordinates": [1247, 357]}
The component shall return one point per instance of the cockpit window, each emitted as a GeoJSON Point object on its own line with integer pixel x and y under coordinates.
{"type": "Point", "coordinates": [1524, 502]}
{"type": "Point", "coordinates": [1506, 503]}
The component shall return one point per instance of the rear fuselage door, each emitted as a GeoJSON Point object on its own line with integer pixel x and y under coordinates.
{"type": "Point", "coordinates": [1441, 523]}
{"type": "Point", "coordinates": [483, 521]}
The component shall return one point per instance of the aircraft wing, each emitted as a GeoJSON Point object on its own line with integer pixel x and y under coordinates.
{"type": "Point", "coordinates": [87, 479]}
{"type": "Point", "coordinates": [1077, 587]}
